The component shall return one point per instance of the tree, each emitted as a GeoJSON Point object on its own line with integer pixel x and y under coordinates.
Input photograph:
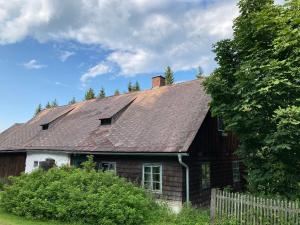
{"type": "Point", "coordinates": [256, 91]}
{"type": "Point", "coordinates": [54, 103]}
{"type": "Point", "coordinates": [130, 88]}
{"type": "Point", "coordinates": [73, 101]}
{"type": "Point", "coordinates": [90, 94]}
{"type": "Point", "coordinates": [38, 109]}
{"type": "Point", "coordinates": [137, 86]}
{"type": "Point", "coordinates": [169, 76]}
{"type": "Point", "coordinates": [117, 92]}
{"type": "Point", "coordinates": [200, 73]}
{"type": "Point", "coordinates": [101, 93]}
{"type": "Point", "coordinates": [48, 105]}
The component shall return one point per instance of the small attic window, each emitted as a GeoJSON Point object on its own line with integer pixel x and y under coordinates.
{"type": "Point", "coordinates": [106, 121]}
{"type": "Point", "coordinates": [45, 126]}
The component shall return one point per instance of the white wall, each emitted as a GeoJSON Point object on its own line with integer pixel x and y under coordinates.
{"type": "Point", "coordinates": [60, 159]}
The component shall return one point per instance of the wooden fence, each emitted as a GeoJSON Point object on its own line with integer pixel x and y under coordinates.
{"type": "Point", "coordinates": [250, 210]}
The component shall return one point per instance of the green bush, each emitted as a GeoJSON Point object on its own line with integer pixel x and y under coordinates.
{"type": "Point", "coordinates": [69, 194]}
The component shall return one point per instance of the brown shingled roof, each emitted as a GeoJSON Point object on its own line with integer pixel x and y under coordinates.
{"type": "Point", "coordinates": [159, 120]}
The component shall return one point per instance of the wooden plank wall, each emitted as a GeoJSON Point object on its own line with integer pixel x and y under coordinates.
{"type": "Point", "coordinates": [211, 146]}
{"type": "Point", "coordinates": [130, 167]}
{"type": "Point", "coordinates": [12, 164]}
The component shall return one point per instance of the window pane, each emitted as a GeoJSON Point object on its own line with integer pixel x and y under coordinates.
{"type": "Point", "coordinates": [156, 177]}
{"type": "Point", "coordinates": [147, 169]}
{"type": "Point", "coordinates": [156, 186]}
{"type": "Point", "coordinates": [147, 177]}
{"type": "Point", "coordinates": [147, 185]}
{"type": "Point", "coordinates": [156, 169]}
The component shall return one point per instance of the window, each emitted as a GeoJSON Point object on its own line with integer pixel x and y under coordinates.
{"type": "Point", "coordinates": [106, 121]}
{"type": "Point", "coordinates": [236, 171]}
{"type": "Point", "coordinates": [220, 125]}
{"type": "Point", "coordinates": [106, 166]}
{"type": "Point", "coordinates": [205, 167]}
{"type": "Point", "coordinates": [152, 177]}
{"type": "Point", "coordinates": [35, 164]}
{"type": "Point", "coordinates": [45, 126]}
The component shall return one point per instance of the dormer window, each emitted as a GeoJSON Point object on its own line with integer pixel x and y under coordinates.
{"type": "Point", "coordinates": [106, 121]}
{"type": "Point", "coordinates": [45, 126]}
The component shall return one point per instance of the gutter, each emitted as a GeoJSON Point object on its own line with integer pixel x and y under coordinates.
{"type": "Point", "coordinates": [187, 177]}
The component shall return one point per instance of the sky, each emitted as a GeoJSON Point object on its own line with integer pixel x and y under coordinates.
{"type": "Point", "coordinates": [53, 49]}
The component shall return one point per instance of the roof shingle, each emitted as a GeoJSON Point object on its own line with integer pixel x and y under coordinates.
{"type": "Point", "coordinates": [159, 120]}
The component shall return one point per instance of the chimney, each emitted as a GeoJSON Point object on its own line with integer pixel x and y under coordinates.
{"type": "Point", "coordinates": [158, 81]}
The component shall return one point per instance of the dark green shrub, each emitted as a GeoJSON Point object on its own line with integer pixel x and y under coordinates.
{"type": "Point", "coordinates": [69, 194]}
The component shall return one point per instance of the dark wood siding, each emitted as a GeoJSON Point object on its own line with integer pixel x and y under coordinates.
{"type": "Point", "coordinates": [211, 146]}
{"type": "Point", "coordinates": [12, 164]}
{"type": "Point", "coordinates": [131, 168]}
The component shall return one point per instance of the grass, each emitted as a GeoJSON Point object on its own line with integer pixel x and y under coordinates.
{"type": "Point", "coordinates": [8, 219]}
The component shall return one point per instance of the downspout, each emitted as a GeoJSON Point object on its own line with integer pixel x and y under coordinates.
{"type": "Point", "coordinates": [187, 177]}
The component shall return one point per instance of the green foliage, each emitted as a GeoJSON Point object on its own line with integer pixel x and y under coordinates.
{"type": "Point", "coordinates": [90, 94]}
{"type": "Point", "coordinates": [54, 103]}
{"type": "Point", "coordinates": [89, 165]}
{"type": "Point", "coordinates": [48, 105]}
{"type": "Point", "coordinates": [132, 88]}
{"type": "Point", "coordinates": [256, 91]}
{"type": "Point", "coordinates": [101, 93]}
{"type": "Point", "coordinates": [68, 194]}
{"type": "Point", "coordinates": [169, 75]}
{"type": "Point", "coordinates": [38, 109]}
{"type": "Point", "coordinates": [117, 92]}
{"type": "Point", "coordinates": [129, 86]}
{"type": "Point", "coordinates": [73, 101]}
{"type": "Point", "coordinates": [200, 73]}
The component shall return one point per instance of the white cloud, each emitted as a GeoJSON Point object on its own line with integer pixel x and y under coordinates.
{"type": "Point", "coordinates": [64, 55]}
{"type": "Point", "coordinates": [33, 64]}
{"type": "Point", "coordinates": [95, 71]}
{"type": "Point", "coordinates": [142, 36]}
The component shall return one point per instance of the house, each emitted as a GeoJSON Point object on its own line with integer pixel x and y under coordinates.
{"type": "Point", "coordinates": [164, 139]}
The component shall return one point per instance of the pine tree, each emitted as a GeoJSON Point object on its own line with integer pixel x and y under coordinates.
{"type": "Point", "coordinates": [169, 76]}
{"type": "Point", "coordinates": [38, 109]}
{"type": "Point", "coordinates": [48, 105]}
{"type": "Point", "coordinates": [137, 86]}
{"type": "Point", "coordinates": [73, 101]}
{"type": "Point", "coordinates": [90, 94]}
{"type": "Point", "coordinates": [101, 93]}
{"type": "Point", "coordinates": [200, 73]}
{"type": "Point", "coordinates": [130, 88]}
{"type": "Point", "coordinates": [117, 92]}
{"type": "Point", "coordinates": [54, 103]}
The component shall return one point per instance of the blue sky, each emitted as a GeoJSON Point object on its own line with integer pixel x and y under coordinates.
{"type": "Point", "coordinates": [51, 49]}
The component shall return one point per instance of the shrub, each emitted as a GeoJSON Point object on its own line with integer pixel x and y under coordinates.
{"type": "Point", "coordinates": [69, 194]}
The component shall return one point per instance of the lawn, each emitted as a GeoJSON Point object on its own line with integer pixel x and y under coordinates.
{"type": "Point", "coordinates": [7, 219]}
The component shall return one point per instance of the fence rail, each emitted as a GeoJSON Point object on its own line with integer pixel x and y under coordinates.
{"type": "Point", "coordinates": [251, 210]}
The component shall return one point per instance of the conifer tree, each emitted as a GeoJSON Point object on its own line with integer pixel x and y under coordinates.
{"type": "Point", "coordinates": [130, 88]}
{"type": "Point", "coordinates": [90, 94]}
{"type": "Point", "coordinates": [54, 103]}
{"type": "Point", "coordinates": [73, 101]}
{"type": "Point", "coordinates": [200, 73]}
{"type": "Point", "coordinates": [101, 93]}
{"type": "Point", "coordinates": [169, 75]}
{"type": "Point", "coordinates": [117, 92]}
{"type": "Point", "coordinates": [137, 86]}
{"type": "Point", "coordinates": [48, 105]}
{"type": "Point", "coordinates": [38, 109]}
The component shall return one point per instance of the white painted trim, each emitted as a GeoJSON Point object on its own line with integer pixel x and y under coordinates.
{"type": "Point", "coordinates": [160, 176]}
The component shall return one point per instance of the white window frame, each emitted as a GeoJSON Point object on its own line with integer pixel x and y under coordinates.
{"type": "Point", "coordinates": [205, 183]}
{"type": "Point", "coordinates": [236, 176]}
{"type": "Point", "coordinates": [151, 165]}
{"type": "Point", "coordinates": [99, 166]}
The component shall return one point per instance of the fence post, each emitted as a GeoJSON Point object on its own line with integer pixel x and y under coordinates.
{"type": "Point", "coordinates": [213, 199]}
